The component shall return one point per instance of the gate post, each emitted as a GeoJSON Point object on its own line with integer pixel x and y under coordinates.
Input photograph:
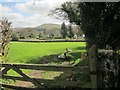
{"type": "Point", "coordinates": [93, 66]}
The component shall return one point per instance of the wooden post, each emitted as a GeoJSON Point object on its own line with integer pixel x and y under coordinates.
{"type": "Point", "coordinates": [93, 66]}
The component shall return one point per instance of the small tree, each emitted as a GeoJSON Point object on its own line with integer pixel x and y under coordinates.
{"type": "Point", "coordinates": [52, 35]}
{"type": "Point", "coordinates": [71, 33]}
{"type": "Point", "coordinates": [63, 30]}
{"type": "Point", "coordinates": [32, 35]}
{"type": "Point", "coordinates": [40, 35]}
{"type": "Point", "coordinates": [6, 37]}
{"type": "Point", "coordinates": [15, 37]}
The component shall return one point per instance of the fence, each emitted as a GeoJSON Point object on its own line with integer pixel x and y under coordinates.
{"type": "Point", "coordinates": [46, 83]}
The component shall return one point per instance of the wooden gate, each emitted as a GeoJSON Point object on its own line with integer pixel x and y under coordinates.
{"type": "Point", "coordinates": [46, 83]}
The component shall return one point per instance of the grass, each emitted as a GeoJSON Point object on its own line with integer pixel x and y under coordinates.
{"type": "Point", "coordinates": [42, 53]}
{"type": "Point", "coordinates": [22, 52]}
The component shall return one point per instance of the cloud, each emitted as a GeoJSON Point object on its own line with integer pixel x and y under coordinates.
{"type": "Point", "coordinates": [14, 0]}
{"type": "Point", "coordinates": [16, 19]}
{"type": "Point", "coordinates": [34, 21]}
{"type": "Point", "coordinates": [13, 16]}
{"type": "Point", "coordinates": [7, 12]}
{"type": "Point", "coordinates": [33, 0]}
{"type": "Point", "coordinates": [4, 10]}
{"type": "Point", "coordinates": [38, 13]}
{"type": "Point", "coordinates": [41, 6]}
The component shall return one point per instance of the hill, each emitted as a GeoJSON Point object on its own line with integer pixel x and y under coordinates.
{"type": "Point", "coordinates": [49, 26]}
{"type": "Point", "coordinates": [45, 30]}
{"type": "Point", "coordinates": [49, 29]}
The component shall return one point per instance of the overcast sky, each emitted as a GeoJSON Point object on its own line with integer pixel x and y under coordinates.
{"type": "Point", "coordinates": [23, 13]}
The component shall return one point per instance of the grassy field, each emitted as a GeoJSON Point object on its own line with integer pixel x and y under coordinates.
{"type": "Point", "coordinates": [23, 52]}
{"type": "Point", "coordinates": [42, 52]}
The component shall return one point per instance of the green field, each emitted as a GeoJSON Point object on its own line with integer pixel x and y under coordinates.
{"type": "Point", "coordinates": [42, 52]}
{"type": "Point", "coordinates": [26, 52]}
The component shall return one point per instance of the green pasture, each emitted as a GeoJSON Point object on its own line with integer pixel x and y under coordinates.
{"type": "Point", "coordinates": [39, 52]}
{"type": "Point", "coordinates": [23, 52]}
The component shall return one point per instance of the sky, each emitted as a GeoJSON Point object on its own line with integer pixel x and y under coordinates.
{"type": "Point", "coordinates": [26, 13]}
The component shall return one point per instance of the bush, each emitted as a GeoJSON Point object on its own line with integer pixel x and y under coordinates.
{"type": "Point", "coordinates": [15, 37]}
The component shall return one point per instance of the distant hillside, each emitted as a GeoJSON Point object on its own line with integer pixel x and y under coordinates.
{"type": "Point", "coordinates": [45, 29]}
{"type": "Point", "coordinates": [49, 27]}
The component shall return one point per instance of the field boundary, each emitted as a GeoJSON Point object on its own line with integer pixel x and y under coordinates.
{"type": "Point", "coordinates": [67, 40]}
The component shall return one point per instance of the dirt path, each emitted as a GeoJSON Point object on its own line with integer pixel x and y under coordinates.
{"type": "Point", "coordinates": [33, 74]}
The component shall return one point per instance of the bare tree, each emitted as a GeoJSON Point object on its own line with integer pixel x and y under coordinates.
{"type": "Point", "coordinates": [6, 34]}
